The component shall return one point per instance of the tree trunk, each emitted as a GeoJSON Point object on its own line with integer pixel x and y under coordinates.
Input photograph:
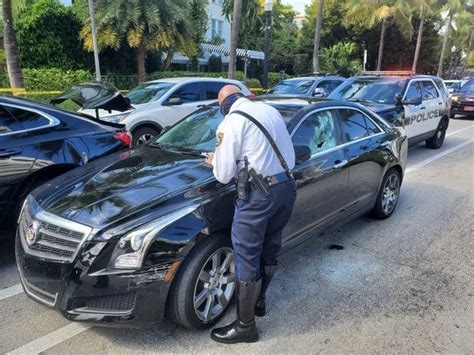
{"type": "Point", "coordinates": [418, 40]}
{"type": "Point", "coordinates": [141, 62]}
{"type": "Point", "coordinates": [317, 37]}
{"type": "Point", "coordinates": [11, 47]}
{"type": "Point", "coordinates": [234, 37]}
{"type": "Point", "coordinates": [381, 44]}
{"type": "Point", "coordinates": [169, 59]}
{"type": "Point", "coordinates": [469, 48]}
{"type": "Point", "coordinates": [445, 42]}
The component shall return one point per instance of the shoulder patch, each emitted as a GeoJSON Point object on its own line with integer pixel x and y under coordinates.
{"type": "Point", "coordinates": [219, 138]}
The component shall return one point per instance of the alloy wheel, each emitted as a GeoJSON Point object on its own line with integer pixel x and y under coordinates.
{"type": "Point", "coordinates": [391, 192]}
{"type": "Point", "coordinates": [144, 138]}
{"type": "Point", "coordinates": [215, 285]}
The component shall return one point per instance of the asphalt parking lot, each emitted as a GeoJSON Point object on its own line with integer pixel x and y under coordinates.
{"type": "Point", "coordinates": [403, 285]}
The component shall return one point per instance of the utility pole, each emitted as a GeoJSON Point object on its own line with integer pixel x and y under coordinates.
{"type": "Point", "coordinates": [268, 25]}
{"type": "Point", "coordinates": [94, 40]}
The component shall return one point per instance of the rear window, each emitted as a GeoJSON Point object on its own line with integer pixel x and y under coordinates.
{"type": "Point", "coordinates": [292, 87]}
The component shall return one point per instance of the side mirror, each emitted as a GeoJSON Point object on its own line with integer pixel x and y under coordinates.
{"type": "Point", "coordinates": [302, 153]}
{"type": "Point", "coordinates": [174, 101]}
{"type": "Point", "coordinates": [414, 101]}
{"type": "Point", "coordinates": [319, 92]}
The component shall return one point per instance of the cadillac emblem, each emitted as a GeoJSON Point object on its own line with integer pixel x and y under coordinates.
{"type": "Point", "coordinates": [31, 232]}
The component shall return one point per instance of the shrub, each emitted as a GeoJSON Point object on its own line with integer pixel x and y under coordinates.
{"type": "Point", "coordinates": [215, 64]}
{"type": "Point", "coordinates": [254, 83]}
{"type": "Point", "coordinates": [54, 79]}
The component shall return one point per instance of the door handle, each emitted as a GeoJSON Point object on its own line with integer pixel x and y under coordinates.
{"type": "Point", "coordinates": [9, 153]}
{"type": "Point", "coordinates": [339, 164]}
{"type": "Point", "coordinates": [422, 107]}
{"type": "Point", "coordinates": [440, 103]}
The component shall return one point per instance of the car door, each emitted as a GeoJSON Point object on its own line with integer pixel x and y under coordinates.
{"type": "Point", "coordinates": [17, 156]}
{"type": "Point", "coordinates": [181, 102]}
{"type": "Point", "coordinates": [365, 155]}
{"type": "Point", "coordinates": [434, 103]}
{"type": "Point", "coordinates": [414, 113]}
{"type": "Point", "coordinates": [322, 187]}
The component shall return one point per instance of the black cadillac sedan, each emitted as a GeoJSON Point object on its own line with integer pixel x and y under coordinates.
{"type": "Point", "coordinates": [39, 142]}
{"type": "Point", "coordinates": [144, 233]}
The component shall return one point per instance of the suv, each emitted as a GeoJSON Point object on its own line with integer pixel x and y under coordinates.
{"type": "Point", "coordinates": [161, 103]}
{"type": "Point", "coordinates": [307, 86]}
{"type": "Point", "coordinates": [462, 102]}
{"type": "Point", "coordinates": [418, 103]}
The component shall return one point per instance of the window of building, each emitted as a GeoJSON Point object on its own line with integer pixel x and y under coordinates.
{"type": "Point", "coordinates": [217, 28]}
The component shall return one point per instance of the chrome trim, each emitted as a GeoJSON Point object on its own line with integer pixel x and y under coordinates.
{"type": "Point", "coordinates": [27, 286]}
{"type": "Point", "coordinates": [51, 219]}
{"type": "Point", "coordinates": [337, 147]}
{"type": "Point", "coordinates": [53, 122]}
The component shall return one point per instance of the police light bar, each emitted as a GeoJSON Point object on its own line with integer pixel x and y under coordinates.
{"type": "Point", "coordinates": [390, 72]}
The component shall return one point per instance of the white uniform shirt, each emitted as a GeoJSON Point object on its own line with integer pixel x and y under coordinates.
{"type": "Point", "coordinates": [237, 137]}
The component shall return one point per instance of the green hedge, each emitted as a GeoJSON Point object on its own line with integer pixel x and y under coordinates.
{"type": "Point", "coordinates": [54, 79]}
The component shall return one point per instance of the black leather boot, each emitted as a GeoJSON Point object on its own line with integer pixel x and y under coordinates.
{"type": "Point", "coordinates": [268, 272]}
{"type": "Point", "coordinates": [243, 329]}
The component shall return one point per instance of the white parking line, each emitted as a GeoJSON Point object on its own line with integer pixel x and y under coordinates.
{"type": "Point", "coordinates": [49, 340]}
{"type": "Point", "coordinates": [459, 131]}
{"type": "Point", "coordinates": [10, 291]}
{"type": "Point", "coordinates": [437, 156]}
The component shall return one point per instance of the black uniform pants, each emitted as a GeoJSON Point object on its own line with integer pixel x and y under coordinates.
{"type": "Point", "coordinates": [257, 228]}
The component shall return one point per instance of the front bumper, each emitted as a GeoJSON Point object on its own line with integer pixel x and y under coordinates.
{"type": "Point", "coordinates": [135, 299]}
{"type": "Point", "coordinates": [460, 109]}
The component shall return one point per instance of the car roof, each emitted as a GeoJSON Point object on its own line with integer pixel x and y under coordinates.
{"type": "Point", "coordinates": [316, 78]}
{"type": "Point", "coordinates": [191, 79]}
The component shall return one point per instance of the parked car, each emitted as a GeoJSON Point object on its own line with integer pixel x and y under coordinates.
{"type": "Point", "coordinates": [418, 103]}
{"type": "Point", "coordinates": [462, 102]}
{"type": "Point", "coordinates": [308, 86]}
{"type": "Point", "coordinates": [39, 142]}
{"type": "Point", "coordinates": [132, 236]}
{"type": "Point", "coordinates": [161, 103]}
{"type": "Point", "coordinates": [453, 86]}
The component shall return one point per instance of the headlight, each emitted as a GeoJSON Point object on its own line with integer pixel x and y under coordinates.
{"type": "Point", "coordinates": [131, 248]}
{"type": "Point", "coordinates": [115, 118]}
{"type": "Point", "coordinates": [455, 98]}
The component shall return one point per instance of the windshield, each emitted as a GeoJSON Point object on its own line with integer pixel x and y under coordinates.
{"type": "Point", "coordinates": [379, 90]}
{"type": "Point", "coordinates": [292, 87]}
{"type": "Point", "coordinates": [196, 132]}
{"type": "Point", "coordinates": [453, 84]}
{"type": "Point", "coordinates": [469, 86]}
{"type": "Point", "coordinates": [148, 92]}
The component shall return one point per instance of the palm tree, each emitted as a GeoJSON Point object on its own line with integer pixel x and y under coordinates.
{"type": "Point", "coordinates": [145, 24]}
{"type": "Point", "coordinates": [462, 37]}
{"type": "Point", "coordinates": [373, 12]}
{"type": "Point", "coordinates": [11, 47]}
{"type": "Point", "coordinates": [453, 6]}
{"type": "Point", "coordinates": [234, 37]}
{"type": "Point", "coordinates": [317, 36]}
{"type": "Point", "coordinates": [424, 7]}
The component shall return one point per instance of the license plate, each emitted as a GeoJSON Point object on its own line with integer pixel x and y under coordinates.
{"type": "Point", "coordinates": [468, 108]}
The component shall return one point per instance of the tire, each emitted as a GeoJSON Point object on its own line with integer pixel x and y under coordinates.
{"type": "Point", "coordinates": [437, 140]}
{"type": "Point", "coordinates": [452, 115]}
{"type": "Point", "coordinates": [143, 135]}
{"type": "Point", "coordinates": [381, 210]}
{"type": "Point", "coordinates": [188, 287]}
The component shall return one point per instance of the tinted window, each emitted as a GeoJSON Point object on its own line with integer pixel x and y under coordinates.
{"type": "Point", "coordinates": [414, 91]}
{"type": "Point", "coordinates": [294, 86]}
{"type": "Point", "coordinates": [429, 90]}
{"type": "Point", "coordinates": [318, 131]}
{"type": "Point", "coordinates": [188, 93]}
{"type": "Point", "coordinates": [211, 90]}
{"type": "Point", "coordinates": [355, 125]}
{"type": "Point", "coordinates": [329, 85]}
{"type": "Point", "coordinates": [148, 92]}
{"type": "Point", "coordinates": [7, 122]}
{"type": "Point", "coordinates": [381, 90]}
{"type": "Point", "coordinates": [28, 119]}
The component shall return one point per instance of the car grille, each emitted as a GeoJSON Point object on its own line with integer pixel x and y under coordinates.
{"type": "Point", "coordinates": [113, 303]}
{"type": "Point", "coordinates": [54, 238]}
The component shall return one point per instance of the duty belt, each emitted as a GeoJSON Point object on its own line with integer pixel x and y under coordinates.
{"type": "Point", "coordinates": [278, 178]}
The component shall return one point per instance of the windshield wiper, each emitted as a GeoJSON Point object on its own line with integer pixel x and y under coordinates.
{"type": "Point", "coordinates": [177, 149]}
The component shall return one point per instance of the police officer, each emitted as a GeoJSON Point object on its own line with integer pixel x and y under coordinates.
{"type": "Point", "coordinates": [266, 195]}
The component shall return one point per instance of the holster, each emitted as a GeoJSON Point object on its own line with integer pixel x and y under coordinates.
{"type": "Point", "coordinates": [243, 184]}
{"type": "Point", "coordinates": [259, 182]}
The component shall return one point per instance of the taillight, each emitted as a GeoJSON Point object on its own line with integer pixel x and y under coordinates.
{"type": "Point", "coordinates": [124, 136]}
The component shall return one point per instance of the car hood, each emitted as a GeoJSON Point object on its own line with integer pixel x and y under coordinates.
{"type": "Point", "coordinates": [95, 95]}
{"type": "Point", "coordinates": [125, 184]}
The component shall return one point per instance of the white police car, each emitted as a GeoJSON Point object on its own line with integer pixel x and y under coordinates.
{"type": "Point", "coordinates": [418, 103]}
